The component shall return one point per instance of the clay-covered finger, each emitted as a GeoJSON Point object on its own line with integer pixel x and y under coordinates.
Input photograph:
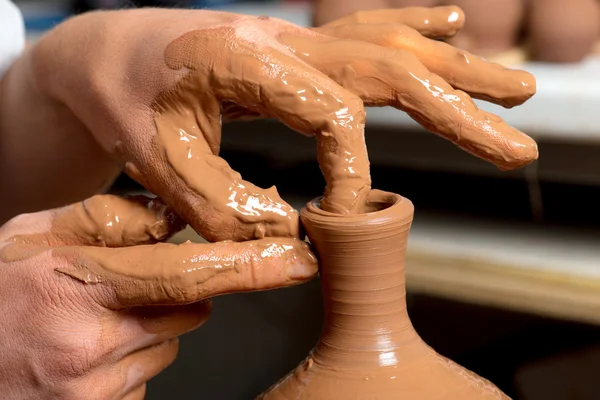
{"type": "Point", "coordinates": [102, 220]}
{"type": "Point", "coordinates": [268, 81]}
{"type": "Point", "coordinates": [169, 274]}
{"type": "Point", "coordinates": [183, 166]}
{"type": "Point", "coordinates": [388, 77]}
{"type": "Point", "coordinates": [470, 73]}
{"type": "Point", "coordinates": [433, 22]}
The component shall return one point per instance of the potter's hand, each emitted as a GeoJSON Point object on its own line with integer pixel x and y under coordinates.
{"type": "Point", "coordinates": [83, 316]}
{"type": "Point", "coordinates": [152, 86]}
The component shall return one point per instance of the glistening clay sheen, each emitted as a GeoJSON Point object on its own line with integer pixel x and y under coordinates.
{"type": "Point", "coordinates": [343, 154]}
{"type": "Point", "coordinates": [262, 63]}
{"type": "Point", "coordinates": [368, 347]}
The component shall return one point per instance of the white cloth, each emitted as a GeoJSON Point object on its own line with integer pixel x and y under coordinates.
{"type": "Point", "coordinates": [12, 34]}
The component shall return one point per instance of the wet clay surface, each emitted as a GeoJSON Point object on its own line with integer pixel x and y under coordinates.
{"type": "Point", "coordinates": [368, 347]}
{"type": "Point", "coordinates": [239, 74]}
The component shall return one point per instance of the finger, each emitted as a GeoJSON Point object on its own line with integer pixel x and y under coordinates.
{"type": "Point", "coordinates": [212, 197]}
{"type": "Point", "coordinates": [383, 76]}
{"type": "Point", "coordinates": [434, 22]}
{"type": "Point", "coordinates": [138, 393]}
{"type": "Point", "coordinates": [141, 327]}
{"type": "Point", "coordinates": [472, 74]}
{"type": "Point", "coordinates": [309, 102]}
{"type": "Point", "coordinates": [138, 368]}
{"type": "Point", "coordinates": [103, 220]}
{"type": "Point", "coordinates": [168, 274]}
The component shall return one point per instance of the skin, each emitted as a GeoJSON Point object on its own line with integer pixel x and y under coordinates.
{"type": "Point", "coordinates": [111, 89]}
{"type": "Point", "coordinates": [95, 300]}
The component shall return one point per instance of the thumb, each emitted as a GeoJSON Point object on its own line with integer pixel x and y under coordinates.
{"type": "Point", "coordinates": [168, 274]}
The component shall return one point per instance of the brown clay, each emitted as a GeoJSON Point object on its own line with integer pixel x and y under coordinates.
{"type": "Point", "coordinates": [563, 31]}
{"type": "Point", "coordinates": [107, 240]}
{"type": "Point", "coordinates": [368, 347]}
{"type": "Point", "coordinates": [189, 134]}
{"type": "Point", "coordinates": [108, 221]}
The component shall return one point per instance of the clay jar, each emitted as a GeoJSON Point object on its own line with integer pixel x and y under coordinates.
{"type": "Point", "coordinates": [491, 26]}
{"type": "Point", "coordinates": [563, 31]}
{"type": "Point", "coordinates": [325, 11]}
{"type": "Point", "coordinates": [368, 347]}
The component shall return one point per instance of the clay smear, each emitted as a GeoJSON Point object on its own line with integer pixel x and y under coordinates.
{"type": "Point", "coordinates": [368, 348]}
{"type": "Point", "coordinates": [107, 221]}
{"type": "Point", "coordinates": [253, 75]}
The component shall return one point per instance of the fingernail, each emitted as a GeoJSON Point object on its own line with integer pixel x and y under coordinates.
{"type": "Point", "coordinates": [303, 267]}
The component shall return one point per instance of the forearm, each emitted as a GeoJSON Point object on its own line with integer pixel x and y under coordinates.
{"type": "Point", "coordinates": [47, 159]}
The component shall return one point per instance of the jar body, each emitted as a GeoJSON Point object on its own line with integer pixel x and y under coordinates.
{"type": "Point", "coordinates": [563, 31]}
{"type": "Point", "coordinates": [368, 348]}
{"type": "Point", "coordinates": [491, 26]}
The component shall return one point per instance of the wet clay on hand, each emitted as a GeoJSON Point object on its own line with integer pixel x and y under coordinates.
{"type": "Point", "coordinates": [115, 244]}
{"type": "Point", "coordinates": [368, 347]}
{"type": "Point", "coordinates": [318, 85]}
{"type": "Point", "coordinates": [163, 81]}
{"type": "Point", "coordinates": [563, 31]}
{"type": "Point", "coordinates": [87, 296]}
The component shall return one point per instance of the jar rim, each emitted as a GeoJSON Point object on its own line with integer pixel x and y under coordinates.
{"type": "Point", "coordinates": [385, 205]}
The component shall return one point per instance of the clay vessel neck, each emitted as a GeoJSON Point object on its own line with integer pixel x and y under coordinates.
{"type": "Point", "coordinates": [362, 261]}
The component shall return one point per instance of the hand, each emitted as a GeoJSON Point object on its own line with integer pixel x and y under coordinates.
{"type": "Point", "coordinates": [87, 298]}
{"type": "Point", "coordinates": [153, 87]}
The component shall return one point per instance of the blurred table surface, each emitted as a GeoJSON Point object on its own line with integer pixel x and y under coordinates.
{"type": "Point", "coordinates": [550, 272]}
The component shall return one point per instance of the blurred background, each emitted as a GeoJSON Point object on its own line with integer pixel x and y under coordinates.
{"type": "Point", "coordinates": [503, 267]}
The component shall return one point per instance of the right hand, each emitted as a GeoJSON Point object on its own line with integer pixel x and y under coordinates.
{"type": "Point", "coordinates": [87, 299]}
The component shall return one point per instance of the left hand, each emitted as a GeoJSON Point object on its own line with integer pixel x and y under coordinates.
{"type": "Point", "coordinates": [92, 306]}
